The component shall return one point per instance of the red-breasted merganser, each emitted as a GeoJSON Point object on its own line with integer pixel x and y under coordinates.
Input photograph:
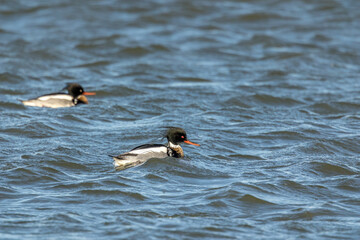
{"type": "Point", "coordinates": [141, 154]}
{"type": "Point", "coordinates": [75, 96]}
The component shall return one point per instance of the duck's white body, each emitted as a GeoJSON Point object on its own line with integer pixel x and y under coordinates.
{"type": "Point", "coordinates": [140, 155]}
{"type": "Point", "coordinates": [51, 101]}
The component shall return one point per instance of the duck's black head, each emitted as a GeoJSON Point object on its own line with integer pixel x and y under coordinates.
{"type": "Point", "coordinates": [77, 92]}
{"type": "Point", "coordinates": [177, 135]}
{"type": "Point", "coordinates": [74, 89]}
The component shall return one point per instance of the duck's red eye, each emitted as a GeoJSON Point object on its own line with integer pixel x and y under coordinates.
{"type": "Point", "coordinates": [182, 137]}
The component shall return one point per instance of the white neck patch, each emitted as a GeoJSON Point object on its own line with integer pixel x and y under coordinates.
{"type": "Point", "coordinates": [171, 145]}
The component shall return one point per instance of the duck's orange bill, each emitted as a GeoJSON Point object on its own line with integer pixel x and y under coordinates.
{"type": "Point", "coordinates": [88, 93]}
{"type": "Point", "coordinates": [188, 142]}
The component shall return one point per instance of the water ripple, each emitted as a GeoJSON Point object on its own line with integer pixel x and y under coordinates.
{"type": "Point", "coordinates": [269, 89]}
